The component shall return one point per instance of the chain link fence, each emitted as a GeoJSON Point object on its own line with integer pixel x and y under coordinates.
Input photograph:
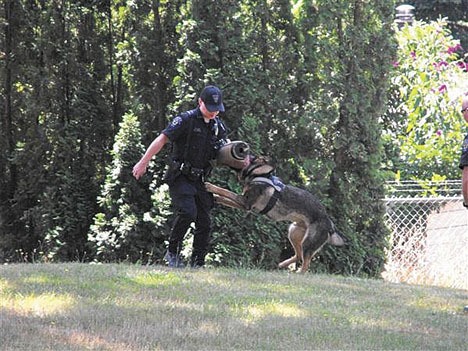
{"type": "Point", "coordinates": [429, 234]}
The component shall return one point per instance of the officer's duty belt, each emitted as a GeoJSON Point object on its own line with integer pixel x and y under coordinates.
{"type": "Point", "coordinates": [186, 169]}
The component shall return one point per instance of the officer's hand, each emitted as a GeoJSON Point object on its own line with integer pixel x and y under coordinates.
{"type": "Point", "coordinates": [139, 169]}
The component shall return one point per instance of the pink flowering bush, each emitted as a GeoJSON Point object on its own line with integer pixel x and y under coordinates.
{"type": "Point", "coordinates": [429, 79]}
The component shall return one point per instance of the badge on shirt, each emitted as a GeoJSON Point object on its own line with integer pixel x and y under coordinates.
{"type": "Point", "coordinates": [176, 121]}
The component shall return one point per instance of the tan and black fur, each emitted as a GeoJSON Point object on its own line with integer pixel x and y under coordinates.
{"type": "Point", "coordinates": [311, 227]}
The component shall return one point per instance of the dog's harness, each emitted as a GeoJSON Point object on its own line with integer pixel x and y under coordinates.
{"type": "Point", "coordinates": [277, 185]}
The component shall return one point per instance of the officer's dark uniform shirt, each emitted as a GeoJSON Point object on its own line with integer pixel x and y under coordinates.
{"type": "Point", "coordinates": [464, 155]}
{"type": "Point", "coordinates": [203, 138]}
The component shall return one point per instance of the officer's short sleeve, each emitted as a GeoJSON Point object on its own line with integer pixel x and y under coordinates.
{"type": "Point", "coordinates": [464, 155]}
{"type": "Point", "coordinates": [175, 128]}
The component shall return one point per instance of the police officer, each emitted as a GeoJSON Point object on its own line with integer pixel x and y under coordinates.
{"type": "Point", "coordinates": [464, 156]}
{"type": "Point", "coordinates": [195, 135]}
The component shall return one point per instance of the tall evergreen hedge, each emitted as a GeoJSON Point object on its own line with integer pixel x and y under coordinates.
{"type": "Point", "coordinates": [305, 82]}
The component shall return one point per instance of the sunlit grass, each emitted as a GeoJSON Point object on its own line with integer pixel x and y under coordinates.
{"type": "Point", "coordinates": [256, 312]}
{"type": "Point", "coordinates": [34, 303]}
{"type": "Point", "coordinates": [152, 279]}
{"type": "Point", "coordinates": [38, 305]}
{"type": "Point", "coordinates": [127, 307]}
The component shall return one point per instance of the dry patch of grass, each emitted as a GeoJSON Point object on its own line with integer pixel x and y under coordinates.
{"type": "Point", "coordinates": [126, 307]}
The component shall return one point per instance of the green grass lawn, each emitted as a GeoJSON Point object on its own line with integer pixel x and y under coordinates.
{"type": "Point", "coordinates": [129, 307]}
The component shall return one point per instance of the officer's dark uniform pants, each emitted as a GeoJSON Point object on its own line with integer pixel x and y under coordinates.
{"type": "Point", "coordinates": [192, 203]}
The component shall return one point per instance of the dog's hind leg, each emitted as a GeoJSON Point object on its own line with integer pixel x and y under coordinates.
{"type": "Point", "coordinates": [295, 235]}
{"type": "Point", "coordinates": [315, 238]}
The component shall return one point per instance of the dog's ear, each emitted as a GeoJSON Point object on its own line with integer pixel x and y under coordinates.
{"type": "Point", "coordinates": [262, 160]}
{"type": "Point", "coordinates": [266, 160]}
{"type": "Point", "coordinates": [259, 165]}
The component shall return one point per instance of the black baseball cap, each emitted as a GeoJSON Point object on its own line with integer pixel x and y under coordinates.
{"type": "Point", "coordinates": [213, 98]}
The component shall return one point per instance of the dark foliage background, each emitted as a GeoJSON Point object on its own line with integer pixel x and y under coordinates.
{"type": "Point", "coordinates": [86, 86]}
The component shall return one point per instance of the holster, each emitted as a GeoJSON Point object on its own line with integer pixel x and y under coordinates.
{"type": "Point", "coordinates": [176, 168]}
{"type": "Point", "coordinates": [173, 171]}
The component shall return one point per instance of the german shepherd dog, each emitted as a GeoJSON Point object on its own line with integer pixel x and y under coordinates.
{"type": "Point", "coordinates": [311, 227]}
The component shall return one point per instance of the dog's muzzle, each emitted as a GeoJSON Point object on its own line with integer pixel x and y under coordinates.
{"type": "Point", "coordinates": [233, 154]}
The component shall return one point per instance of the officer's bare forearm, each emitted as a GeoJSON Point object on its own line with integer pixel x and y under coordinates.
{"type": "Point", "coordinates": [154, 148]}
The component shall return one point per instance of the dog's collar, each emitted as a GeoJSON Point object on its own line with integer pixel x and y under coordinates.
{"type": "Point", "coordinates": [247, 172]}
{"type": "Point", "coordinates": [253, 170]}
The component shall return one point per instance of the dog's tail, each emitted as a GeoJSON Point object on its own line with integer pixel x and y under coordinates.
{"type": "Point", "coordinates": [336, 238]}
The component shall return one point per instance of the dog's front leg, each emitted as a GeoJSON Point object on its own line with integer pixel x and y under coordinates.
{"type": "Point", "coordinates": [227, 202]}
{"type": "Point", "coordinates": [226, 197]}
